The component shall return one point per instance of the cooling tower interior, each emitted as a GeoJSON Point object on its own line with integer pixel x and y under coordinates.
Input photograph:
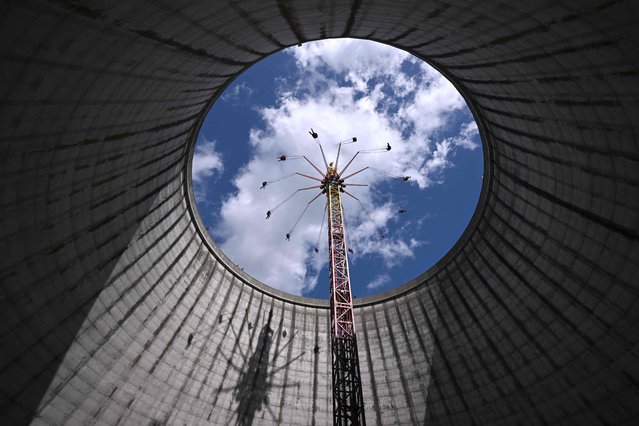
{"type": "Point", "coordinates": [118, 308]}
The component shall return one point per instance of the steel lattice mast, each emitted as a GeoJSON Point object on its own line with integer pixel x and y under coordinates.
{"type": "Point", "coordinates": [348, 402]}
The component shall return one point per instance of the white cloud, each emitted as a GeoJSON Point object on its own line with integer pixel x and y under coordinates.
{"type": "Point", "coordinates": [359, 61]}
{"type": "Point", "coordinates": [379, 281]}
{"type": "Point", "coordinates": [237, 92]}
{"type": "Point", "coordinates": [206, 163]}
{"type": "Point", "coordinates": [372, 99]}
{"type": "Point", "coordinates": [468, 136]}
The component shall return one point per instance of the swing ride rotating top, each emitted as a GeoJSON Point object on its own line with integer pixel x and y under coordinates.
{"type": "Point", "coordinates": [348, 404]}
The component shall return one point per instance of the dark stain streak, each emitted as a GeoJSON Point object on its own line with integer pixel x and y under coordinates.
{"type": "Point", "coordinates": [254, 23]}
{"type": "Point", "coordinates": [504, 98]}
{"type": "Point", "coordinates": [505, 39]}
{"type": "Point", "coordinates": [607, 5]}
{"type": "Point", "coordinates": [492, 82]}
{"type": "Point", "coordinates": [516, 36]}
{"type": "Point", "coordinates": [168, 213]}
{"type": "Point", "coordinates": [402, 35]}
{"type": "Point", "coordinates": [557, 78]}
{"type": "Point", "coordinates": [561, 161]}
{"type": "Point", "coordinates": [157, 174]}
{"type": "Point", "coordinates": [289, 15]}
{"type": "Point", "coordinates": [170, 70]}
{"type": "Point", "coordinates": [559, 313]}
{"type": "Point", "coordinates": [351, 18]}
{"type": "Point", "coordinates": [437, 338]}
{"type": "Point", "coordinates": [627, 73]}
{"type": "Point", "coordinates": [180, 107]}
{"type": "Point", "coordinates": [81, 9]}
{"type": "Point", "coordinates": [76, 67]}
{"type": "Point", "coordinates": [156, 159]}
{"type": "Point", "coordinates": [551, 79]}
{"type": "Point", "coordinates": [585, 102]}
{"type": "Point", "coordinates": [470, 23]}
{"type": "Point", "coordinates": [371, 36]}
{"type": "Point", "coordinates": [106, 180]}
{"type": "Point", "coordinates": [581, 147]}
{"type": "Point", "coordinates": [514, 115]}
{"type": "Point", "coordinates": [569, 18]}
{"type": "Point", "coordinates": [456, 52]}
{"type": "Point", "coordinates": [186, 291]}
{"type": "Point", "coordinates": [435, 13]}
{"type": "Point", "coordinates": [179, 14]}
{"type": "Point", "coordinates": [495, 42]}
{"type": "Point", "coordinates": [106, 200]}
{"type": "Point", "coordinates": [477, 353]}
{"type": "Point", "coordinates": [401, 368]}
{"type": "Point", "coordinates": [426, 43]}
{"type": "Point", "coordinates": [535, 57]}
{"type": "Point", "coordinates": [172, 124]}
{"type": "Point", "coordinates": [207, 89]}
{"type": "Point", "coordinates": [118, 136]}
{"type": "Point", "coordinates": [56, 248]}
{"type": "Point", "coordinates": [117, 213]}
{"type": "Point", "coordinates": [560, 102]}
{"type": "Point", "coordinates": [215, 75]}
{"type": "Point", "coordinates": [163, 141]}
{"type": "Point", "coordinates": [143, 297]}
{"type": "Point", "coordinates": [153, 36]}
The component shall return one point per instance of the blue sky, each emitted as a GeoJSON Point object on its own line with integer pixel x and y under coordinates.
{"type": "Point", "coordinates": [341, 88]}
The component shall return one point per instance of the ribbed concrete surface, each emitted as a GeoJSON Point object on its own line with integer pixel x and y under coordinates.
{"type": "Point", "coordinates": [531, 319]}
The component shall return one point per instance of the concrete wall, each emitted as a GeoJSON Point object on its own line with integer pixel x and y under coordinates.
{"type": "Point", "coordinates": [531, 319]}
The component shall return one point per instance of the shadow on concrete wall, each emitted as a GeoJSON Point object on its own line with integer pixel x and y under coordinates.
{"type": "Point", "coordinates": [62, 320]}
{"type": "Point", "coordinates": [257, 371]}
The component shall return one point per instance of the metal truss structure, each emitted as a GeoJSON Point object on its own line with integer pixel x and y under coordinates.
{"type": "Point", "coordinates": [348, 402]}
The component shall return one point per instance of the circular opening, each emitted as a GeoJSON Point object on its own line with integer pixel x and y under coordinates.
{"type": "Point", "coordinates": [257, 147]}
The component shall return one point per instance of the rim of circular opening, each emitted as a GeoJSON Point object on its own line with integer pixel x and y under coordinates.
{"type": "Point", "coordinates": [393, 293]}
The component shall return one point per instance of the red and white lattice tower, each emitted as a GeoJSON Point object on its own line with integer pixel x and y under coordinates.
{"type": "Point", "coordinates": [348, 402]}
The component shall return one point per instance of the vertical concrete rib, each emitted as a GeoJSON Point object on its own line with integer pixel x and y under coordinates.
{"type": "Point", "coordinates": [400, 367]}
{"type": "Point", "coordinates": [282, 404]}
{"type": "Point", "coordinates": [375, 401]}
{"type": "Point", "coordinates": [316, 365]}
{"type": "Point", "coordinates": [388, 399]}
{"type": "Point", "coordinates": [415, 364]}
